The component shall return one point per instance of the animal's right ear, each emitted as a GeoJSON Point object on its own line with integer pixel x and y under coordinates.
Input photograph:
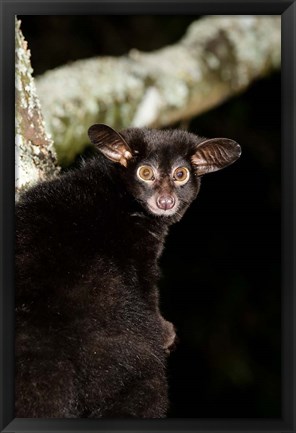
{"type": "Point", "coordinates": [110, 143]}
{"type": "Point", "coordinates": [213, 154]}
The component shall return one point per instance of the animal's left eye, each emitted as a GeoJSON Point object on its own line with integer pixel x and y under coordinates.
{"type": "Point", "coordinates": [145, 172]}
{"type": "Point", "coordinates": [181, 175]}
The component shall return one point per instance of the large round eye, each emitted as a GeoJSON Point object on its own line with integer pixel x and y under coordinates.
{"type": "Point", "coordinates": [145, 173]}
{"type": "Point", "coordinates": [181, 175]}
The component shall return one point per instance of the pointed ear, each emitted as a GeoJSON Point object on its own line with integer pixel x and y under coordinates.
{"type": "Point", "coordinates": [214, 154]}
{"type": "Point", "coordinates": [110, 143]}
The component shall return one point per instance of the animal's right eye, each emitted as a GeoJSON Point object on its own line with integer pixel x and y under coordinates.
{"type": "Point", "coordinates": [145, 173]}
{"type": "Point", "coordinates": [181, 175]}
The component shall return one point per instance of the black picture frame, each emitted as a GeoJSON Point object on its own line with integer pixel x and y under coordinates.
{"type": "Point", "coordinates": [10, 8]}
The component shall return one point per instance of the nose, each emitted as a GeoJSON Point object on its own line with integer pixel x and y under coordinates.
{"type": "Point", "coordinates": [165, 202]}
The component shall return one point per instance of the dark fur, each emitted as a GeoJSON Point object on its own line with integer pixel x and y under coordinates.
{"type": "Point", "coordinates": [90, 340]}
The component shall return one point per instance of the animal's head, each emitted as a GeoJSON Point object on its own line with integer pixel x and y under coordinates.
{"type": "Point", "coordinates": [162, 168]}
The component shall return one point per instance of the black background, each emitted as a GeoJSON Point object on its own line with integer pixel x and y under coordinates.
{"type": "Point", "coordinates": [221, 266]}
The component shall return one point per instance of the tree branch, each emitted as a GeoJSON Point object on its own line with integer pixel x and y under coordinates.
{"type": "Point", "coordinates": [218, 57]}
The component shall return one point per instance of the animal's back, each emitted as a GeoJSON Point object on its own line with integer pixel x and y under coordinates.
{"type": "Point", "coordinates": [85, 340]}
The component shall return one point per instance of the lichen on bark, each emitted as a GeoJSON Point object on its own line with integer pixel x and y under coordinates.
{"type": "Point", "coordinates": [35, 158]}
{"type": "Point", "coordinates": [218, 57]}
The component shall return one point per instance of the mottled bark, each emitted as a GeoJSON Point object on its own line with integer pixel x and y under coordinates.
{"type": "Point", "coordinates": [218, 57]}
{"type": "Point", "coordinates": [34, 154]}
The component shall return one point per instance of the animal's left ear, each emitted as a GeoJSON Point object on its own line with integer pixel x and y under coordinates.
{"type": "Point", "coordinates": [214, 154]}
{"type": "Point", "coordinates": [110, 143]}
